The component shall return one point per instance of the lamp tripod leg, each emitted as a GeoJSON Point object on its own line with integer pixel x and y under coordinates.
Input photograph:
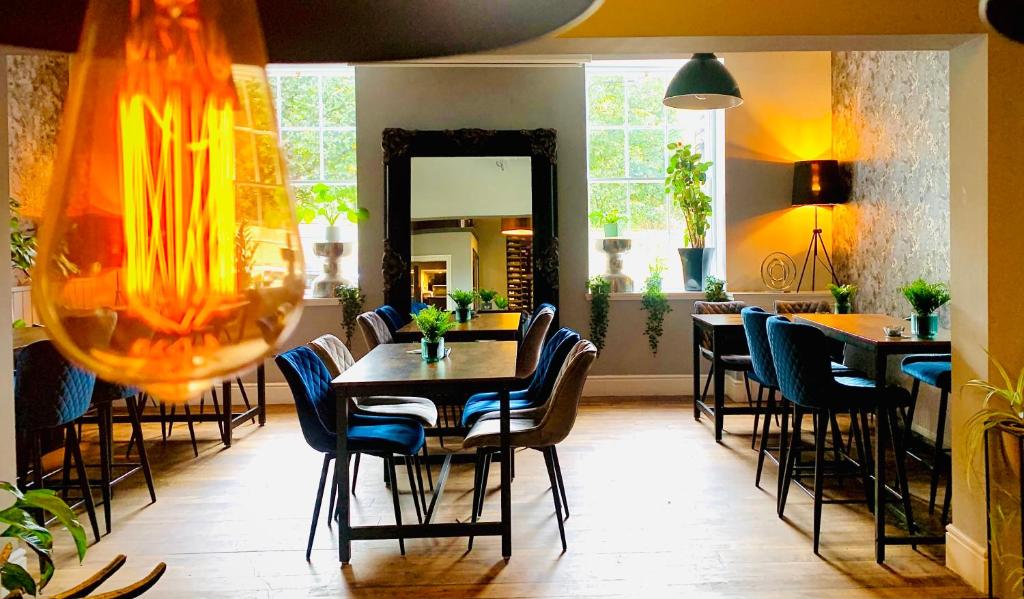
{"type": "Point", "coordinates": [812, 248]}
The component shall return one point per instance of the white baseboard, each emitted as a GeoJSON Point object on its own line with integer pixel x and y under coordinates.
{"type": "Point", "coordinates": [967, 558]}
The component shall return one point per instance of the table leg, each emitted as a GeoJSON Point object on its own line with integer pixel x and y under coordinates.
{"type": "Point", "coordinates": [261, 394]}
{"type": "Point", "coordinates": [719, 387]}
{"type": "Point", "coordinates": [696, 371]}
{"type": "Point", "coordinates": [881, 425]}
{"type": "Point", "coordinates": [341, 465]}
{"type": "Point", "coordinates": [506, 479]}
{"type": "Point", "coordinates": [226, 412]}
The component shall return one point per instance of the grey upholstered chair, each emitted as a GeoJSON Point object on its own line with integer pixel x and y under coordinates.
{"type": "Point", "coordinates": [533, 342]}
{"type": "Point", "coordinates": [802, 307]}
{"type": "Point", "coordinates": [375, 331]}
{"type": "Point", "coordinates": [541, 431]}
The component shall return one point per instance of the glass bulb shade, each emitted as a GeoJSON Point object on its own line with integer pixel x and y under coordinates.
{"type": "Point", "coordinates": [169, 255]}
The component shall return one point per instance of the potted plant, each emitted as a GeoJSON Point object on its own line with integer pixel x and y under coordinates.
{"type": "Point", "coordinates": [433, 324]}
{"type": "Point", "coordinates": [351, 301]}
{"type": "Point", "coordinates": [487, 297]}
{"type": "Point", "coordinates": [501, 302]}
{"type": "Point", "coordinates": [600, 290]}
{"type": "Point", "coordinates": [686, 175]}
{"type": "Point", "coordinates": [464, 302]}
{"type": "Point", "coordinates": [611, 220]}
{"type": "Point", "coordinates": [655, 303]}
{"type": "Point", "coordinates": [925, 298]}
{"type": "Point", "coordinates": [23, 242]}
{"type": "Point", "coordinates": [843, 294]}
{"type": "Point", "coordinates": [714, 290]}
{"type": "Point", "coordinates": [330, 203]}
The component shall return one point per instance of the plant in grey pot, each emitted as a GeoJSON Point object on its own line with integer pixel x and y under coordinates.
{"type": "Point", "coordinates": [611, 221]}
{"type": "Point", "coordinates": [487, 297]}
{"type": "Point", "coordinates": [843, 294]}
{"type": "Point", "coordinates": [686, 174]}
{"type": "Point", "coordinates": [925, 298]}
{"type": "Point", "coordinates": [464, 304]}
{"type": "Point", "coordinates": [433, 325]}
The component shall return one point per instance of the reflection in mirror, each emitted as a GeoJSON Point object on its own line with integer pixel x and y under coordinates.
{"type": "Point", "coordinates": [472, 229]}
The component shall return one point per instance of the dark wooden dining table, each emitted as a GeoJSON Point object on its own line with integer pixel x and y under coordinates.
{"type": "Point", "coordinates": [726, 336]}
{"type": "Point", "coordinates": [865, 331]}
{"type": "Point", "coordinates": [493, 326]}
{"type": "Point", "coordinates": [398, 369]}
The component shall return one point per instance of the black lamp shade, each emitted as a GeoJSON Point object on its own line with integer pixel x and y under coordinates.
{"type": "Point", "coordinates": [817, 182]}
{"type": "Point", "coordinates": [1005, 16]}
{"type": "Point", "coordinates": [703, 83]}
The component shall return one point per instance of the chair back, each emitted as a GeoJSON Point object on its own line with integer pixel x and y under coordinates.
{"type": "Point", "coordinates": [802, 307]}
{"type": "Point", "coordinates": [49, 391]}
{"type": "Point", "coordinates": [391, 317]}
{"type": "Point", "coordinates": [543, 306]}
{"type": "Point", "coordinates": [718, 307]}
{"type": "Point", "coordinates": [533, 342]}
{"type": "Point", "coordinates": [802, 363]}
{"type": "Point", "coordinates": [564, 403]}
{"type": "Point", "coordinates": [551, 360]}
{"type": "Point", "coordinates": [333, 353]}
{"type": "Point", "coordinates": [524, 325]}
{"type": "Point", "coordinates": [755, 326]}
{"type": "Point", "coordinates": [310, 384]}
{"type": "Point", "coordinates": [417, 307]}
{"type": "Point", "coordinates": [375, 331]}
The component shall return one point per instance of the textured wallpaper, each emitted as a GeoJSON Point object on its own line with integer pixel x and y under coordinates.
{"type": "Point", "coordinates": [890, 125]}
{"type": "Point", "coordinates": [36, 88]}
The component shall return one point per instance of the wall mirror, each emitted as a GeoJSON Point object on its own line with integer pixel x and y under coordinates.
{"type": "Point", "coordinates": [470, 209]}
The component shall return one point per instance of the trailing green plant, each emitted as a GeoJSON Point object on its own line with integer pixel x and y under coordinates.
{"type": "Point", "coordinates": [925, 298]}
{"type": "Point", "coordinates": [331, 203]}
{"type": "Point", "coordinates": [21, 525]}
{"type": "Point", "coordinates": [433, 323]}
{"type": "Point", "coordinates": [462, 298]}
{"type": "Point", "coordinates": [685, 176]}
{"type": "Point", "coordinates": [487, 296]}
{"type": "Point", "coordinates": [714, 289]}
{"type": "Point", "coordinates": [655, 303]}
{"type": "Point", "coordinates": [843, 294]}
{"type": "Point", "coordinates": [23, 241]}
{"type": "Point", "coordinates": [611, 216]}
{"type": "Point", "coordinates": [351, 301]}
{"type": "Point", "coordinates": [600, 290]}
{"type": "Point", "coordinates": [501, 302]}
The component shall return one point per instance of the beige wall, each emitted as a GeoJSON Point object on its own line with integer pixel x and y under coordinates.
{"type": "Point", "coordinates": [493, 263]}
{"type": "Point", "coordinates": [8, 471]}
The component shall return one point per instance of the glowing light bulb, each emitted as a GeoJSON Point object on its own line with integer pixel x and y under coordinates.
{"type": "Point", "coordinates": [169, 254]}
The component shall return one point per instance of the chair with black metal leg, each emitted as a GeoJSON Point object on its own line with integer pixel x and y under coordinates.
{"type": "Point", "coordinates": [310, 384]}
{"type": "Point", "coordinates": [935, 370]}
{"type": "Point", "coordinates": [51, 394]}
{"type": "Point", "coordinates": [731, 362]}
{"type": "Point", "coordinates": [805, 378]}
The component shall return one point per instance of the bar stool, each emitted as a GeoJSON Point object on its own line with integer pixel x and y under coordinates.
{"type": "Point", "coordinates": [733, 362]}
{"type": "Point", "coordinates": [935, 370]}
{"type": "Point", "coordinates": [51, 394]}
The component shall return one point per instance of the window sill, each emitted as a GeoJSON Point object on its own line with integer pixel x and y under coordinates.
{"type": "Point", "coordinates": [319, 301]}
{"type": "Point", "coordinates": [739, 295]}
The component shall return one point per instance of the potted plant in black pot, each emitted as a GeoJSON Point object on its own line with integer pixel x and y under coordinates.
{"type": "Point", "coordinates": [684, 180]}
{"type": "Point", "coordinates": [433, 324]}
{"type": "Point", "coordinates": [464, 304]}
{"type": "Point", "coordinates": [843, 294]}
{"type": "Point", "coordinates": [925, 299]}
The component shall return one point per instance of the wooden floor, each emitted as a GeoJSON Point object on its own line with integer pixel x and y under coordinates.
{"type": "Point", "coordinates": [658, 510]}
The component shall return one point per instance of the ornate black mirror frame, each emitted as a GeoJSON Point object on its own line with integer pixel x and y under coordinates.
{"type": "Point", "coordinates": [402, 145]}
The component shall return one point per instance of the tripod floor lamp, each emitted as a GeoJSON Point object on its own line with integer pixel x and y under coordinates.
{"type": "Point", "coordinates": [817, 183]}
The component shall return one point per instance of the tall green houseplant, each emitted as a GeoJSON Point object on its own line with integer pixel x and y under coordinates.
{"type": "Point", "coordinates": [684, 181]}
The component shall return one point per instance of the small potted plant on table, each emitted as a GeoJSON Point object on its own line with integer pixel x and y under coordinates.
{"type": "Point", "coordinates": [464, 301]}
{"type": "Point", "coordinates": [925, 298]}
{"type": "Point", "coordinates": [843, 294]}
{"type": "Point", "coordinates": [487, 297]}
{"type": "Point", "coordinates": [433, 324]}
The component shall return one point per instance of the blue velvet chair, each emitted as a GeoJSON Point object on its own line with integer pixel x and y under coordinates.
{"type": "Point", "coordinates": [384, 437]}
{"type": "Point", "coordinates": [417, 307]}
{"type": "Point", "coordinates": [391, 317]}
{"type": "Point", "coordinates": [49, 394]}
{"type": "Point", "coordinates": [935, 370]}
{"type": "Point", "coordinates": [805, 377]}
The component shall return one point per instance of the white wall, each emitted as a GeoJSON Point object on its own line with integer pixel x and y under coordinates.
{"type": "Point", "coordinates": [7, 456]}
{"type": "Point", "coordinates": [468, 186]}
{"type": "Point", "coordinates": [457, 244]}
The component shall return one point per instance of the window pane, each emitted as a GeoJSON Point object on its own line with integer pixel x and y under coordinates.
{"type": "Point", "coordinates": [607, 154]}
{"type": "Point", "coordinates": [302, 149]}
{"type": "Point", "coordinates": [299, 103]}
{"type": "Point", "coordinates": [607, 196]}
{"type": "Point", "coordinates": [646, 92]}
{"type": "Point", "coordinates": [646, 153]}
{"type": "Point", "coordinates": [647, 206]}
{"type": "Point", "coordinates": [340, 155]}
{"type": "Point", "coordinates": [605, 100]}
{"type": "Point", "coordinates": [339, 101]}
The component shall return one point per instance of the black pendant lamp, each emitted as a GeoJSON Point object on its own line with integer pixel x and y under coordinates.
{"type": "Point", "coordinates": [306, 31]}
{"type": "Point", "coordinates": [1005, 16]}
{"type": "Point", "coordinates": [703, 84]}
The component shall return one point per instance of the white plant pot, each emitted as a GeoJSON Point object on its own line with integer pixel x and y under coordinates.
{"type": "Point", "coordinates": [333, 234]}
